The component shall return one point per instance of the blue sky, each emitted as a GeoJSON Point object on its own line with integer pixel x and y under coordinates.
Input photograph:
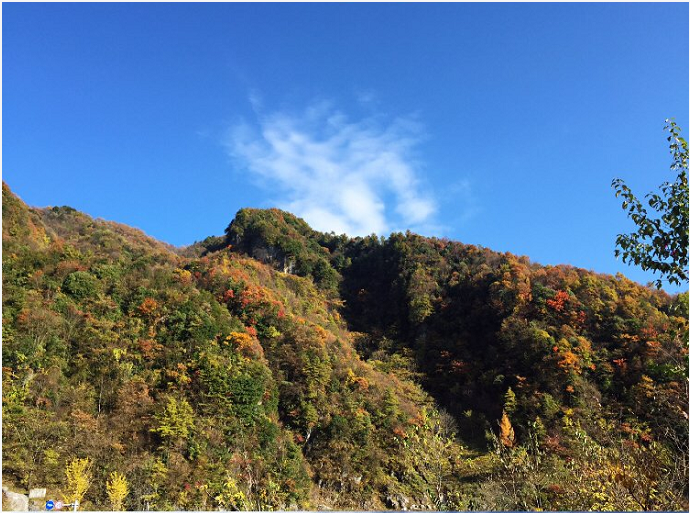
{"type": "Point", "coordinates": [493, 124]}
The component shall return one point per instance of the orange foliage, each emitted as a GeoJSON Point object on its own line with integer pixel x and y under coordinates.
{"type": "Point", "coordinates": [653, 348]}
{"type": "Point", "coordinates": [507, 434]}
{"type": "Point", "coordinates": [246, 344]}
{"type": "Point", "coordinates": [399, 432]}
{"type": "Point", "coordinates": [148, 307]}
{"type": "Point", "coordinates": [629, 338]}
{"type": "Point", "coordinates": [620, 363]}
{"type": "Point", "coordinates": [570, 362]}
{"type": "Point", "coordinates": [85, 420]}
{"type": "Point", "coordinates": [649, 332]}
{"type": "Point", "coordinates": [322, 333]}
{"type": "Point", "coordinates": [559, 301]}
{"type": "Point", "coordinates": [148, 347]}
{"type": "Point", "coordinates": [362, 383]}
{"type": "Point", "coordinates": [359, 382]}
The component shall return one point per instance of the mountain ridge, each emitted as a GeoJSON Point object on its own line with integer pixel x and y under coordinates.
{"type": "Point", "coordinates": [278, 367]}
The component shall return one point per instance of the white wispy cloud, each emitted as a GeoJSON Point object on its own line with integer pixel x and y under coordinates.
{"type": "Point", "coordinates": [348, 176]}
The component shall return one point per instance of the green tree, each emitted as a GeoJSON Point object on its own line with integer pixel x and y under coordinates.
{"type": "Point", "coordinates": [433, 452]}
{"type": "Point", "coordinates": [660, 243]}
{"type": "Point", "coordinates": [509, 401]}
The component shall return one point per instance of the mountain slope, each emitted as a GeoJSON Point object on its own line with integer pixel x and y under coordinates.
{"type": "Point", "coordinates": [280, 367]}
{"type": "Point", "coordinates": [211, 382]}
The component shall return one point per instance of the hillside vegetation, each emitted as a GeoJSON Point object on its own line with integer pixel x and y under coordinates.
{"type": "Point", "coordinates": [277, 367]}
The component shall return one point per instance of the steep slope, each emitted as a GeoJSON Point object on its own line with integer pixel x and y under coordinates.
{"type": "Point", "coordinates": [499, 341]}
{"type": "Point", "coordinates": [279, 367]}
{"type": "Point", "coordinates": [208, 382]}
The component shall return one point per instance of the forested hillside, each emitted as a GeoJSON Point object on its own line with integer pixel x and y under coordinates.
{"type": "Point", "coordinates": [277, 367]}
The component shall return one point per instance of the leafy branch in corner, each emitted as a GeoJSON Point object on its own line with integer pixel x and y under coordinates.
{"type": "Point", "coordinates": [660, 243]}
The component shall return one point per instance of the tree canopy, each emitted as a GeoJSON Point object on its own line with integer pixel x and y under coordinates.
{"type": "Point", "coordinates": [282, 368]}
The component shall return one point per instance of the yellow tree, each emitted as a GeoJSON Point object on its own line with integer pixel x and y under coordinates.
{"type": "Point", "coordinates": [117, 489]}
{"type": "Point", "coordinates": [78, 476]}
{"type": "Point", "coordinates": [175, 421]}
{"type": "Point", "coordinates": [231, 497]}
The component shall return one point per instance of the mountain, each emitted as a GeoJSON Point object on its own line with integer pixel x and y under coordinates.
{"type": "Point", "coordinates": [277, 367]}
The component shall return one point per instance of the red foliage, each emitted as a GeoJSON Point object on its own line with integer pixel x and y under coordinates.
{"type": "Point", "coordinates": [620, 363]}
{"type": "Point", "coordinates": [559, 301]}
{"type": "Point", "coordinates": [228, 295]}
{"type": "Point", "coordinates": [458, 366]}
{"type": "Point", "coordinates": [581, 317]}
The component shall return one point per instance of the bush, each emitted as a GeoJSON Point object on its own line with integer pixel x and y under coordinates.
{"type": "Point", "coordinates": [80, 285]}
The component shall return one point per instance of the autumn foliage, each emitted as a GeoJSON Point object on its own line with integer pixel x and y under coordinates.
{"type": "Point", "coordinates": [276, 367]}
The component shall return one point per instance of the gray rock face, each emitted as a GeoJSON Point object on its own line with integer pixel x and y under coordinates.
{"type": "Point", "coordinates": [14, 501]}
{"type": "Point", "coordinates": [397, 501]}
{"type": "Point", "coordinates": [274, 257]}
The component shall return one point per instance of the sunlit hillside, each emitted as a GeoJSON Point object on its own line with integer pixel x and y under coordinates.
{"type": "Point", "coordinates": [277, 367]}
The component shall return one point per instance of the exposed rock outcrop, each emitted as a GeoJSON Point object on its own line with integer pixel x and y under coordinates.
{"type": "Point", "coordinates": [13, 501]}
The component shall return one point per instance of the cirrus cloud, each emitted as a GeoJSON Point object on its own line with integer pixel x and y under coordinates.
{"type": "Point", "coordinates": [348, 176]}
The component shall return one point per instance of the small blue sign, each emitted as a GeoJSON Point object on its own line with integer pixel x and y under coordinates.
{"type": "Point", "coordinates": [50, 505]}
